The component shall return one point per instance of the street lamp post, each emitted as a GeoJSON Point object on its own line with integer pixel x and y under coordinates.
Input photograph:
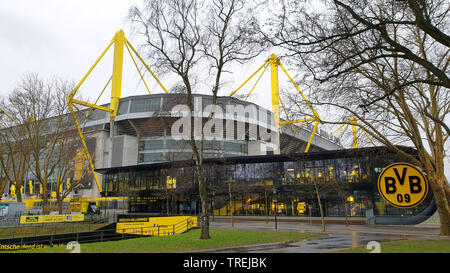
{"type": "Point", "coordinates": [106, 194]}
{"type": "Point", "coordinates": [275, 194]}
{"type": "Point", "coordinates": [231, 198]}
{"type": "Point", "coordinates": [213, 195]}
{"type": "Point", "coordinates": [310, 219]}
{"type": "Point", "coordinates": [265, 205]}
{"type": "Point", "coordinates": [231, 205]}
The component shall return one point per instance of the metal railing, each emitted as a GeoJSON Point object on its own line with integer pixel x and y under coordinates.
{"type": "Point", "coordinates": [53, 240]}
{"type": "Point", "coordinates": [33, 230]}
{"type": "Point", "coordinates": [163, 230]}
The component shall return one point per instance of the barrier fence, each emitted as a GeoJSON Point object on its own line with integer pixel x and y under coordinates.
{"type": "Point", "coordinates": [33, 237]}
{"type": "Point", "coordinates": [53, 240]}
{"type": "Point", "coordinates": [33, 230]}
{"type": "Point", "coordinates": [11, 222]}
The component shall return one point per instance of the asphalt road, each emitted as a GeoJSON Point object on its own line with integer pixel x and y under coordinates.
{"type": "Point", "coordinates": [336, 236]}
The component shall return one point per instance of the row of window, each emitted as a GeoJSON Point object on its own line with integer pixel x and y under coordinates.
{"type": "Point", "coordinates": [154, 104]}
{"type": "Point", "coordinates": [168, 143]}
{"type": "Point", "coordinates": [145, 158]}
{"type": "Point", "coordinates": [181, 150]}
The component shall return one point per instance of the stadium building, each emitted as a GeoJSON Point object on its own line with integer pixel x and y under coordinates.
{"type": "Point", "coordinates": [147, 168]}
{"type": "Point", "coordinates": [144, 125]}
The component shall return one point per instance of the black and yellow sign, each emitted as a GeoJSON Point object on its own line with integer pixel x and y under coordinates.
{"type": "Point", "coordinates": [133, 220]}
{"type": "Point", "coordinates": [33, 219]}
{"type": "Point", "coordinates": [403, 185]}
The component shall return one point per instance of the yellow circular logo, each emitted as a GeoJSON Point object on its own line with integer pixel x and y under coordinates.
{"type": "Point", "coordinates": [403, 185]}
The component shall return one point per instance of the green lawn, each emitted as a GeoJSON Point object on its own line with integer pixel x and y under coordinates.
{"type": "Point", "coordinates": [30, 231]}
{"type": "Point", "coordinates": [406, 246]}
{"type": "Point", "coordinates": [188, 241]}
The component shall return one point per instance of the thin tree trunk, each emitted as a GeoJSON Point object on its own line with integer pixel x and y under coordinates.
{"type": "Point", "coordinates": [167, 205]}
{"type": "Point", "coordinates": [442, 204]}
{"type": "Point", "coordinates": [60, 205]}
{"type": "Point", "coordinates": [320, 207]}
{"type": "Point", "coordinates": [439, 186]}
{"type": "Point", "coordinates": [44, 199]}
{"type": "Point", "coordinates": [345, 211]}
{"type": "Point", "coordinates": [2, 187]}
{"type": "Point", "coordinates": [204, 202]}
{"type": "Point", "coordinates": [18, 194]}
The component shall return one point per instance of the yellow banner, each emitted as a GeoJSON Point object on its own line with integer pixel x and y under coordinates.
{"type": "Point", "coordinates": [35, 219]}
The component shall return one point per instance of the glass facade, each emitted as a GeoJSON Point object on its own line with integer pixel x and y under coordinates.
{"type": "Point", "coordinates": [346, 182]}
{"type": "Point", "coordinates": [160, 149]}
{"type": "Point", "coordinates": [145, 105]}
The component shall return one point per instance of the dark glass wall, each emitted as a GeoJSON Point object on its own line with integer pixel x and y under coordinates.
{"type": "Point", "coordinates": [288, 185]}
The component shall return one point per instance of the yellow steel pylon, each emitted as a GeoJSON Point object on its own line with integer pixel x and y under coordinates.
{"type": "Point", "coordinates": [119, 42]}
{"type": "Point", "coordinates": [274, 63]}
{"type": "Point", "coordinates": [9, 116]}
{"type": "Point", "coordinates": [353, 122]}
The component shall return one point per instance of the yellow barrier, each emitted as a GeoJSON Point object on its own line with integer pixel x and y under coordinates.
{"type": "Point", "coordinates": [156, 226]}
{"type": "Point", "coordinates": [76, 204]}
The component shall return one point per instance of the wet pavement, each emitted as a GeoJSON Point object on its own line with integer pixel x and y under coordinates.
{"type": "Point", "coordinates": [332, 243]}
{"type": "Point", "coordinates": [336, 237]}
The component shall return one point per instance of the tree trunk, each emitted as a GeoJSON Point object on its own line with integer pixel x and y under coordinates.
{"type": "Point", "coordinates": [167, 205]}
{"type": "Point", "coordinates": [18, 194]}
{"type": "Point", "coordinates": [204, 201]}
{"type": "Point", "coordinates": [320, 207]}
{"type": "Point", "coordinates": [440, 188]}
{"type": "Point", "coordinates": [60, 201]}
{"type": "Point", "coordinates": [44, 199]}
{"type": "Point", "coordinates": [442, 204]}
{"type": "Point", "coordinates": [2, 188]}
{"type": "Point", "coordinates": [345, 211]}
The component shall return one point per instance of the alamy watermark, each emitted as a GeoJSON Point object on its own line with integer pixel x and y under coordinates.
{"type": "Point", "coordinates": [74, 246]}
{"type": "Point", "coordinates": [220, 122]}
{"type": "Point", "coordinates": [374, 246]}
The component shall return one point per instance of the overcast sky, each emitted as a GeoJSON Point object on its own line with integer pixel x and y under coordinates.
{"type": "Point", "coordinates": [64, 38]}
{"type": "Point", "coordinates": [61, 38]}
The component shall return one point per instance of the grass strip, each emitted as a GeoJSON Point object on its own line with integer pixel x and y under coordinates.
{"type": "Point", "coordinates": [188, 241]}
{"type": "Point", "coordinates": [30, 231]}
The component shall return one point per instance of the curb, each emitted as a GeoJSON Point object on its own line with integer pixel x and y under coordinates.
{"type": "Point", "coordinates": [245, 248]}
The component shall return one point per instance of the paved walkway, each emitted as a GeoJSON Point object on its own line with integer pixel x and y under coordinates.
{"type": "Point", "coordinates": [336, 236]}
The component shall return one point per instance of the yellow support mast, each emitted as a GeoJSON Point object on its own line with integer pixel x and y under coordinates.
{"type": "Point", "coordinates": [119, 42]}
{"type": "Point", "coordinates": [116, 85]}
{"type": "Point", "coordinates": [276, 99]}
{"type": "Point", "coordinates": [9, 116]}
{"type": "Point", "coordinates": [274, 62]}
{"type": "Point", "coordinates": [353, 122]}
{"type": "Point", "coordinates": [355, 137]}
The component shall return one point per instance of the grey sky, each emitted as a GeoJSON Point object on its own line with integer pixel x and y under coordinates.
{"type": "Point", "coordinates": [54, 37]}
{"type": "Point", "coordinates": [61, 38]}
{"type": "Point", "coordinates": [64, 38]}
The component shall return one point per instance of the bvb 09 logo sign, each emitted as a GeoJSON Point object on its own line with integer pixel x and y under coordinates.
{"type": "Point", "coordinates": [403, 185]}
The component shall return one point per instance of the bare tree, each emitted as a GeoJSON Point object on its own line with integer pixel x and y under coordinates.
{"type": "Point", "coordinates": [182, 37]}
{"type": "Point", "coordinates": [64, 154]}
{"type": "Point", "coordinates": [318, 188]}
{"type": "Point", "coordinates": [43, 126]}
{"type": "Point", "coordinates": [386, 63]}
{"type": "Point", "coordinates": [14, 155]}
{"type": "Point", "coordinates": [64, 172]}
